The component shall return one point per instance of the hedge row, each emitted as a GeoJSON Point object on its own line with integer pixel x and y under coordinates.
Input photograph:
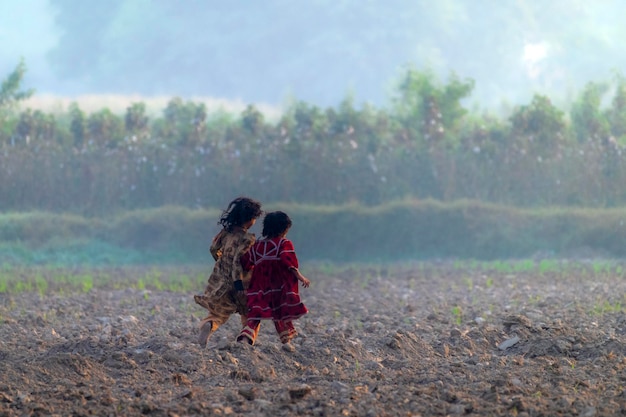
{"type": "Point", "coordinates": [397, 231]}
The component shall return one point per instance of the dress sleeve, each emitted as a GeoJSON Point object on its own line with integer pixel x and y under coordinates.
{"type": "Point", "coordinates": [246, 260]}
{"type": "Point", "coordinates": [216, 246]}
{"type": "Point", "coordinates": [242, 248]}
{"type": "Point", "coordinates": [288, 254]}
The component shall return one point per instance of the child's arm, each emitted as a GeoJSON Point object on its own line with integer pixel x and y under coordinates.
{"type": "Point", "coordinates": [304, 280]}
{"type": "Point", "coordinates": [289, 258]}
{"type": "Point", "coordinates": [242, 261]}
{"type": "Point", "coordinates": [216, 246]}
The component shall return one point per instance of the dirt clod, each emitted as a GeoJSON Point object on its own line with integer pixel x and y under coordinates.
{"type": "Point", "coordinates": [416, 340]}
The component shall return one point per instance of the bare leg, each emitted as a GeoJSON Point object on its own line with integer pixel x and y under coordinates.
{"type": "Point", "coordinates": [219, 312]}
{"type": "Point", "coordinates": [206, 329]}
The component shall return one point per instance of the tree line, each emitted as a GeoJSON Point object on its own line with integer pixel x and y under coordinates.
{"type": "Point", "coordinates": [425, 144]}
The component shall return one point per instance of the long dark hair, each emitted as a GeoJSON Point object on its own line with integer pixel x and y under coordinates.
{"type": "Point", "coordinates": [275, 224]}
{"type": "Point", "coordinates": [240, 211]}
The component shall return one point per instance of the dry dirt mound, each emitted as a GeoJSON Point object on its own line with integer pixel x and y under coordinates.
{"type": "Point", "coordinates": [423, 341]}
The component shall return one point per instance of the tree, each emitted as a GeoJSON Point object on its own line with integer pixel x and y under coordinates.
{"type": "Point", "coordinates": [428, 110]}
{"type": "Point", "coordinates": [105, 128]}
{"type": "Point", "coordinates": [136, 121]}
{"type": "Point", "coordinates": [252, 120]}
{"type": "Point", "coordinates": [616, 115]}
{"type": "Point", "coordinates": [539, 126]}
{"type": "Point", "coordinates": [588, 120]}
{"type": "Point", "coordinates": [35, 126]}
{"type": "Point", "coordinates": [11, 95]}
{"type": "Point", "coordinates": [183, 123]}
{"type": "Point", "coordinates": [78, 125]}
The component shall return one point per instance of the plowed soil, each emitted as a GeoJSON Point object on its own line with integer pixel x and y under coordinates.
{"type": "Point", "coordinates": [410, 340]}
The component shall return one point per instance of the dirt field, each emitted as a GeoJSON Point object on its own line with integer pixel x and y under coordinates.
{"type": "Point", "coordinates": [421, 340]}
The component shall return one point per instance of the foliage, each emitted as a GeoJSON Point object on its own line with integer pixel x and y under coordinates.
{"type": "Point", "coordinates": [105, 129]}
{"type": "Point", "coordinates": [36, 126]}
{"type": "Point", "coordinates": [429, 111]}
{"type": "Point", "coordinates": [392, 232]}
{"type": "Point", "coordinates": [588, 120]}
{"type": "Point", "coordinates": [617, 113]}
{"type": "Point", "coordinates": [10, 95]}
{"type": "Point", "coordinates": [540, 125]}
{"type": "Point", "coordinates": [78, 126]}
{"type": "Point", "coordinates": [136, 121]}
{"type": "Point", "coordinates": [428, 145]}
{"type": "Point", "coordinates": [183, 123]}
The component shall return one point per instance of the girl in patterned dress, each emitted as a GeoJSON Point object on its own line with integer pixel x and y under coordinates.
{"type": "Point", "coordinates": [273, 292]}
{"type": "Point", "coordinates": [224, 293]}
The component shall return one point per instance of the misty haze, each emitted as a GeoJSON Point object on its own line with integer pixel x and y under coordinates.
{"type": "Point", "coordinates": [454, 172]}
{"type": "Point", "coordinates": [319, 51]}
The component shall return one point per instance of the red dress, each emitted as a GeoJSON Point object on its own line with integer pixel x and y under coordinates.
{"type": "Point", "coordinates": [273, 292]}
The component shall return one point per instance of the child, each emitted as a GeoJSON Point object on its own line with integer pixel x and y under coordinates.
{"type": "Point", "coordinates": [224, 293]}
{"type": "Point", "coordinates": [273, 292]}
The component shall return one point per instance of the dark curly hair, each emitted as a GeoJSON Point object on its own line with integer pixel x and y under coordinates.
{"type": "Point", "coordinates": [240, 211]}
{"type": "Point", "coordinates": [275, 224]}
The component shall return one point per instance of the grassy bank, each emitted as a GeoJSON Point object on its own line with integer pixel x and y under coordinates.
{"type": "Point", "coordinates": [397, 231]}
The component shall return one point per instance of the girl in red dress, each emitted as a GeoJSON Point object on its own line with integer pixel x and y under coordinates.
{"type": "Point", "coordinates": [273, 292]}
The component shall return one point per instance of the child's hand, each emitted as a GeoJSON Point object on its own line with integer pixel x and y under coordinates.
{"type": "Point", "coordinates": [305, 281]}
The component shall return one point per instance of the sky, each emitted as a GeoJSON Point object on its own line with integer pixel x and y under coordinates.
{"type": "Point", "coordinates": [27, 31]}
{"type": "Point", "coordinates": [318, 51]}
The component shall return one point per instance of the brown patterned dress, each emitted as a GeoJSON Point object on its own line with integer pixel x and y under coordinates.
{"type": "Point", "coordinates": [220, 297]}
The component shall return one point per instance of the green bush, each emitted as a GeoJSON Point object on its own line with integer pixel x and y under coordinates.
{"type": "Point", "coordinates": [37, 228]}
{"type": "Point", "coordinates": [167, 229]}
{"type": "Point", "coordinates": [397, 231]}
